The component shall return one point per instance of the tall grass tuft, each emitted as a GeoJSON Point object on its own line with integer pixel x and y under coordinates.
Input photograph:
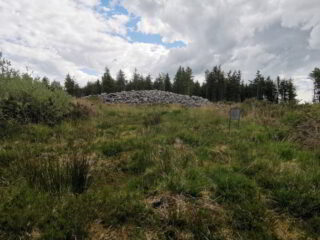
{"type": "Point", "coordinates": [54, 176]}
{"type": "Point", "coordinates": [152, 119]}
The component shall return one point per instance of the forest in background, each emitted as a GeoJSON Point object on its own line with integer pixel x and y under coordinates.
{"type": "Point", "coordinates": [218, 85]}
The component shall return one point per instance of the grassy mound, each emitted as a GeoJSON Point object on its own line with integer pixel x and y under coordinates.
{"type": "Point", "coordinates": [163, 172]}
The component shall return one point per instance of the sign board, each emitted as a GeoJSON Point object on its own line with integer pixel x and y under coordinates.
{"type": "Point", "coordinates": [235, 113]}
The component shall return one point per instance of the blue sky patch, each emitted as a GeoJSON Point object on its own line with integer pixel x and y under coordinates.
{"type": "Point", "coordinates": [89, 71]}
{"type": "Point", "coordinates": [136, 36]}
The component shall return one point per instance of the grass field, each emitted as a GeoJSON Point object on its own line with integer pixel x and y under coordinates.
{"type": "Point", "coordinates": [164, 172]}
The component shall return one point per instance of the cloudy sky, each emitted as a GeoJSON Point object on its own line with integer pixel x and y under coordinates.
{"type": "Point", "coordinates": [82, 37]}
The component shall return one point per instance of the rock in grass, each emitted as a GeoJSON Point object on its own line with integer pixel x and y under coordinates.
{"type": "Point", "coordinates": [153, 97]}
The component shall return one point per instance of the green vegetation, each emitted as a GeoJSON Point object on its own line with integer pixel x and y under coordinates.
{"type": "Point", "coordinates": [218, 85]}
{"type": "Point", "coordinates": [24, 99]}
{"type": "Point", "coordinates": [86, 170]}
{"type": "Point", "coordinates": [165, 172]}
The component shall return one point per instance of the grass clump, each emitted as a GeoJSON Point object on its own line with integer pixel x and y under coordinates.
{"type": "Point", "coordinates": [152, 119]}
{"type": "Point", "coordinates": [56, 176]}
{"type": "Point", "coordinates": [113, 148]}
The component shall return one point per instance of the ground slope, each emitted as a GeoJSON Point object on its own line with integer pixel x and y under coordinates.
{"type": "Point", "coordinates": [161, 172]}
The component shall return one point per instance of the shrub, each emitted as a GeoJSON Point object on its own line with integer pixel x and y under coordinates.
{"type": "Point", "coordinates": [27, 100]}
{"type": "Point", "coordinates": [24, 99]}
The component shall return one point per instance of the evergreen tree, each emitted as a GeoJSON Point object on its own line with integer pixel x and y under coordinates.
{"type": "Point", "coordinates": [233, 81]}
{"type": "Point", "coordinates": [159, 83]}
{"type": "Point", "coordinates": [215, 84]}
{"type": "Point", "coordinates": [188, 82]}
{"type": "Point", "coordinates": [98, 89]}
{"type": "Point", "coordinates": [148, 83]}
{"type": "Point", "coordinates": [167, 83]}
{"type": "Point", "coordinates": [287, 91]}
{"type": "Point", "coordinates": [197, 91]}
{"type": "Point", "coordinates": [315, 75]}
{"type": "Point", "coordinates": [107, 82]}
{"type": "Point", "coordinates": [121, 81]}
{"type": "Point", "coordinates": [136, 83]}
{"type": "Point", "coordinates": [178, 81]}
{"type": "Point", "coordinates": [257, 86]}
{"type": "Point", "coordinates": [291, 91]}
{"type": "Point", "coordinates": [221, 85]}
{"type": "Point", "coordinates": [245, 91]}
{"type": "Point", "coordinates": [270, 90]}
{"type": "Point", "coordinates": [70, 85]}
{"type": "Point", "coordinates": [209, 86]}
{"type": "Point", "coordinates": [278, 89]}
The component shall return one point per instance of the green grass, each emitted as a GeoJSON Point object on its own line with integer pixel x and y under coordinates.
{"type": "Point", "coordinates": [162, 172]}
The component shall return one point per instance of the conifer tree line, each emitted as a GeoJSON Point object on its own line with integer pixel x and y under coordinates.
{"type": "Point", "coordinates": [315, 75]}
{"type": "Point", "coordinates": [218, 85]}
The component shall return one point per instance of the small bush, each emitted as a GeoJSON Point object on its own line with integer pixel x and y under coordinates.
{"type": "Point", "coordinates": [28, 100]}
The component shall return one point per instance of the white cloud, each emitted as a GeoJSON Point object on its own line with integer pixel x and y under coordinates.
{"type": "Point", "coordinates": [61, 36]}
{"type": "Point", "coordinates": [274, 36]}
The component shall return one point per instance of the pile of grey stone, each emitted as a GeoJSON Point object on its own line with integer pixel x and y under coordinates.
{"type": "Point", "coordinates": [153, 97]}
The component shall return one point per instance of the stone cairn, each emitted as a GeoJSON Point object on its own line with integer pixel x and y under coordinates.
{"type": "Point", "coordinates": [153, 97]}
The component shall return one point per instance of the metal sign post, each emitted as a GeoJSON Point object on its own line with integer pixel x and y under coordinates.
{"type": "Point", "coordinates": [234, 114]}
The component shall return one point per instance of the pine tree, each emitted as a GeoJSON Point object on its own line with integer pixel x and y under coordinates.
{"type": "Point", "coordinates": [159, 83]}
{"type": "Point", "coordinates": [121, 81]}
{"type": "Point", "coordinates": [270, 90]}
{"type": "Point", "coordinates": [210, 85]}
{"type": "Point", "coordinates": [221, 85]}
{"type": "Point", "coordinates": [287, 91]}
{"type": "Point", "coordinates": [148, 83]}
{"type": "Point", "coordinates": [315, 75]}
{"type": "Point", "coordinates": [107, 82]}
{"type": "Point", "coordinates": [278, 90]}
{"type": "Point", "coordinates": [232, 81]}
{"type": "Point", "coordinates": [167, 83]}
{"type": "Point", "coordinates": [70, 85]}
{"type": "Point", "coordinates": [197, 91]}
{"type": "Point", "coordinates": [291, 91]}
{"type": "Point", "coordinates": [98, 89]}
{"type": "Point", "coordinates": [188, 82]}
{"type": "Point", "coordinates": [178, 81]}
{"type": "Point", "coordinates": [257, 86]}
{"type": "Point", "coordinates": [215, 84]}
